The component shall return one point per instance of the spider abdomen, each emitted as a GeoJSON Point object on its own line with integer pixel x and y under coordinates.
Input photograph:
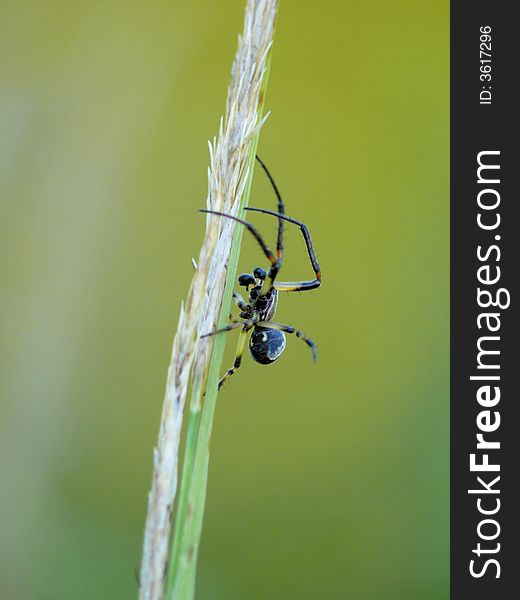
{"type": "Point", "coordinates": [266, 345]}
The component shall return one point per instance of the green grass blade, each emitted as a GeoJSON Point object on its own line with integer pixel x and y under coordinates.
{"type": "Point", "coordinates": [181, 577]}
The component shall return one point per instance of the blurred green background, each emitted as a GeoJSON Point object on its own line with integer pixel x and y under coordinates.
{"type": "Point", "coordinates": [326, 482]}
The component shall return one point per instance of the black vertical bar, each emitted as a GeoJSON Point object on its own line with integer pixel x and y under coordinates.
{"type": "Point", "coordinates": [478, 127]}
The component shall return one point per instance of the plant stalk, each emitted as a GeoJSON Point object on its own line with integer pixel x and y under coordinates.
{"type": "Point", "coordinates": [168, 570]}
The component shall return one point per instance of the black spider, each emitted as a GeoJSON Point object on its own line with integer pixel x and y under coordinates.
{"type": "Point", "coordinates": [267, 339]}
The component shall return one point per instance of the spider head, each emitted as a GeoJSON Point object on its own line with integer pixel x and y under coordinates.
{"type": "Point", "coordinates": [253, 294]}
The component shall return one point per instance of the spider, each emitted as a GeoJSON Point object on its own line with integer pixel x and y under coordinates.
{"type": "Point", "coordinates": [267, 340]}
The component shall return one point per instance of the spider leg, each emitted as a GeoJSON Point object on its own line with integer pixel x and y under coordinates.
{"type": "Point", "coordinates": [240, 302]}
{"type": "Point", "coordinates": [297, 286]}
{"type": "Point", "coordinates": [281, 208]}
{"type": "Point", "coordinates": [276, 263]}
{"type": "Point", "coordinates": [249, 323]}
{"type": "Point", "coordinates": [273, 272]}
{"type": "Point", "coordinates": [246, 309]}
{"type": "Point", "coordinates": [238, 357]}
{"type": "Point", "coordinates": [268, 253]}
{"type": "Point", "coordinates": [297, 332]}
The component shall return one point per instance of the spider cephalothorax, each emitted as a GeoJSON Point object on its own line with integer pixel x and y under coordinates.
{"type": "Point", "coordinates": [261, 305]}
{"type": "Point", "coordinates": [267, 340]}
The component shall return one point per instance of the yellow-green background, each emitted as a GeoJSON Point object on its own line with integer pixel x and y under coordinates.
{"type": "Point", "coordinates": [327, 481]}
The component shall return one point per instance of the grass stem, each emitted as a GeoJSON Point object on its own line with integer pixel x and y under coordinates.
{"type": "Point", "coordinates": [196, 363]}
